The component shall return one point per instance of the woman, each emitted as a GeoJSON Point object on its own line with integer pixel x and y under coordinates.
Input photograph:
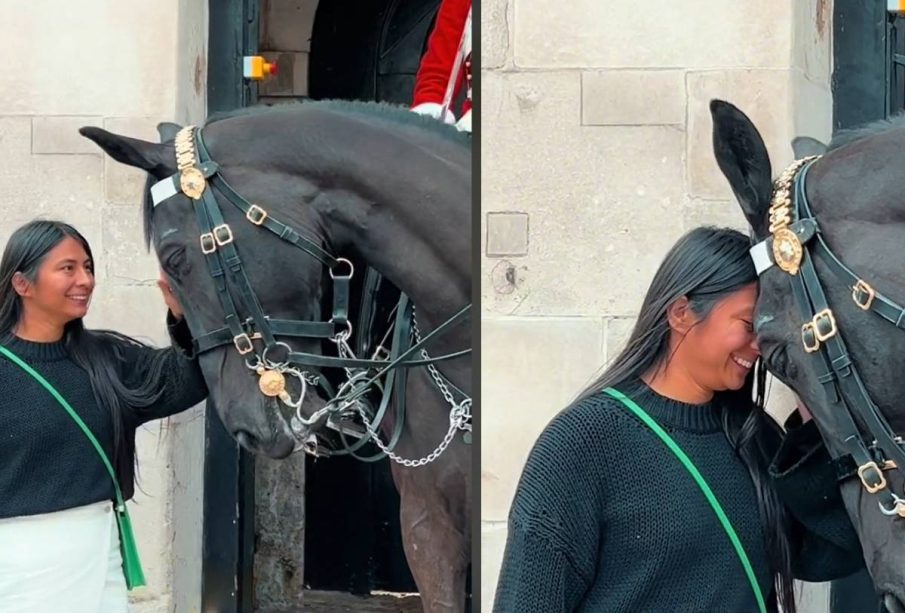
{"type": "Point", "coordinates": [607, 518]}
{"type": "Point", "coordinates": [59, 541]}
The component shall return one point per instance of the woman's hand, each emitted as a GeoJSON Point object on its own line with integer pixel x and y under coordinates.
{"type": "Point", "coordinates": [170, 298]}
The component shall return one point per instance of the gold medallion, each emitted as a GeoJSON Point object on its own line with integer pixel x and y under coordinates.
{"type": "Point", "coordinates": [272, 383]}
{"type": "Point", "coordinates": [787, 251]}
{"type": "Point", "coordinates": [192, 182]}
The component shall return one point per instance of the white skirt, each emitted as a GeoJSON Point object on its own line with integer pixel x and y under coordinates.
{"type": "Point", "coordinates": [63, 561]}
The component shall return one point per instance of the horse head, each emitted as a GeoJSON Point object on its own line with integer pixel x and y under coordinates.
{"type": "Point", "coordinates": [829, 237]}
{"type": "Point", "coordinates": [238, 283]}
{"type": "Point", "coordinates": [248, 217]}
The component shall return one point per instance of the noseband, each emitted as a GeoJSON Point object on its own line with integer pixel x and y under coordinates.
{"type": "Point", "coordinates": [198, 178]}
{"type": "Point", "coordinates": [795, 242]}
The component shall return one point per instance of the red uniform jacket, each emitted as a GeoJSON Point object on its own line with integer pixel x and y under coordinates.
{"type": "Point", "coordinates": [438, 62]}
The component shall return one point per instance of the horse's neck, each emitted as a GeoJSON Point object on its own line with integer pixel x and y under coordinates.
{"type": "Point", "coordinates": [400, 239]}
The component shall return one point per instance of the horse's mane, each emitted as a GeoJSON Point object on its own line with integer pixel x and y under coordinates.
{"type": "Point", "coordinates": [377, 110]}
{"type": "Point", "coordinates": [850, 135]}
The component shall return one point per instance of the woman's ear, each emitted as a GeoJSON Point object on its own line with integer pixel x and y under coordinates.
{"type": "Point", "coordinates": [680, 316]}
{"type": "Point", "coordinates": [21, 285]}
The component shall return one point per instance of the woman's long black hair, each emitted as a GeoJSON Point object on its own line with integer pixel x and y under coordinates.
{"type": "Point", "coordinates": [99, 352]}
{"type": "Point", "coordinates": [706, 265]}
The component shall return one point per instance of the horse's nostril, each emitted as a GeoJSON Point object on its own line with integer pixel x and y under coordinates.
{"type": "Point", "coordinates": [893, 604]}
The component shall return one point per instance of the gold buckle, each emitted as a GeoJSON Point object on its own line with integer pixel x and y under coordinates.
{"type": "Point", "coordinates": [223, 234]}
{"type": "Point", "coordinates": [208, 243]}
{"type": "Point", "coordinates": [863, 288]}
{"type": "Point", "coordinates": [804, 341]}
{"type": "Point", "coordinates": [256, 215]}
{"type": "Point", "coordinates": [243, 344]}
{"type": "Point", "coordinates": [872, 489]}
{"type": "Point", "coordinates": [826, 314]}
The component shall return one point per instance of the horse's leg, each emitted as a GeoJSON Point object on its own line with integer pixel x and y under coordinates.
{"type": "Point", "coordinates": [435, 536]}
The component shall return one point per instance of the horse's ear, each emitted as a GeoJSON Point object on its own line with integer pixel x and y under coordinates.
{"type": "Point", "coordinates": [743, 158]}
{"type": "Point", "coordinates": [159, 160]}
{"type": "Point", "coordinates": [168, 131]}
{"type": "Point", "coordinates": [803, 146]}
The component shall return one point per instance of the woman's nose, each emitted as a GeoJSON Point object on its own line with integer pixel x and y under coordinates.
{"type": "Point", "coordinates": [86, 278]}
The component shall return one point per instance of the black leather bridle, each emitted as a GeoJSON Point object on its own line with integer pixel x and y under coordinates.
{"type": "Point", "coordinates": [199, 178]}
{"type": "Point", "coordinates": [794, 243]}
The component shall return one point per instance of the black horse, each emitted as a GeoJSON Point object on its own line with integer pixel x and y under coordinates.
{"type": "Point", "coordinates": [336, 181]}
{"type": "Point", "coordinates": [833, 268]}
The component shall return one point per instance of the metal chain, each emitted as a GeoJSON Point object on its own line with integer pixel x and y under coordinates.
{"type": "Point", "coordinates": [455, 423]}
{"type": "Point", "coordinates": [459, 415]}
{"type": "Point", "coordinates": [441, 384]}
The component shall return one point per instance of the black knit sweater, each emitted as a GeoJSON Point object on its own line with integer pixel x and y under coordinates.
{"type": "Point", "coordinates": [605, 518]}
{"type": "Point", "coordinates": [46, 462]}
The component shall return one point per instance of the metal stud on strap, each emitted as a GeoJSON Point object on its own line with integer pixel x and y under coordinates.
{"type": "Point", "coordinates": [208, 244]}
{"type": "Point", "coordinates": [863, 295]}
{"type": "Point", "coordinates": [256, 215]}
{"type": "Point", "coordinates": [223, 234]}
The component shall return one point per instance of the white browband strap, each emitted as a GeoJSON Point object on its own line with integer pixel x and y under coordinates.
{"type": "Point", "coordinates": [165, 189]}
{"type": "Point", "coordinates": [762, 257]}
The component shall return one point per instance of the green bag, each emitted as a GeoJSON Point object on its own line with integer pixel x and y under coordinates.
{"type": "Point", "coordinates": [132, 570]}
{"type": "Point", "coordinates": [699, 479]}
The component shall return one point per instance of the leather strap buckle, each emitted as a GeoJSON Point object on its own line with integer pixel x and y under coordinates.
{"type": "Point", "coordinates": [880, 481]}
{"type": "Point", "coordinates": [824, 325]}
{"type": "Point", "coordinates": [809, 337]}
{"type": "Point", "coordinates": [256, 215]}
{"type": "Point", "coordinates": [223, 234]}
{"type": "Point", "coordinates": [243, 344]}
{"type": "Point", "coordinates": [863, 295]}
{"type": "Point", "coordinates": [208, 244]}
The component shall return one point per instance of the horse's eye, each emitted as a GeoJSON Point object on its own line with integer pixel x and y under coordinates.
{"type": "Point", "coordinates": [175, 263]}
{"type": "Point", "coordinates": [778, 363]}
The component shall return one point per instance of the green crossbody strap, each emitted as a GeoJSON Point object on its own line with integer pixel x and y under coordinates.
{"type": "Point", "coordinates": [708, 493]}
{"type": "Point", "coordinates": [131, 563]}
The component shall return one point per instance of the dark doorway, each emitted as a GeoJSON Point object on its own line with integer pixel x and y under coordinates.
{"type": "Point", "coordinates": [363, 51]}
